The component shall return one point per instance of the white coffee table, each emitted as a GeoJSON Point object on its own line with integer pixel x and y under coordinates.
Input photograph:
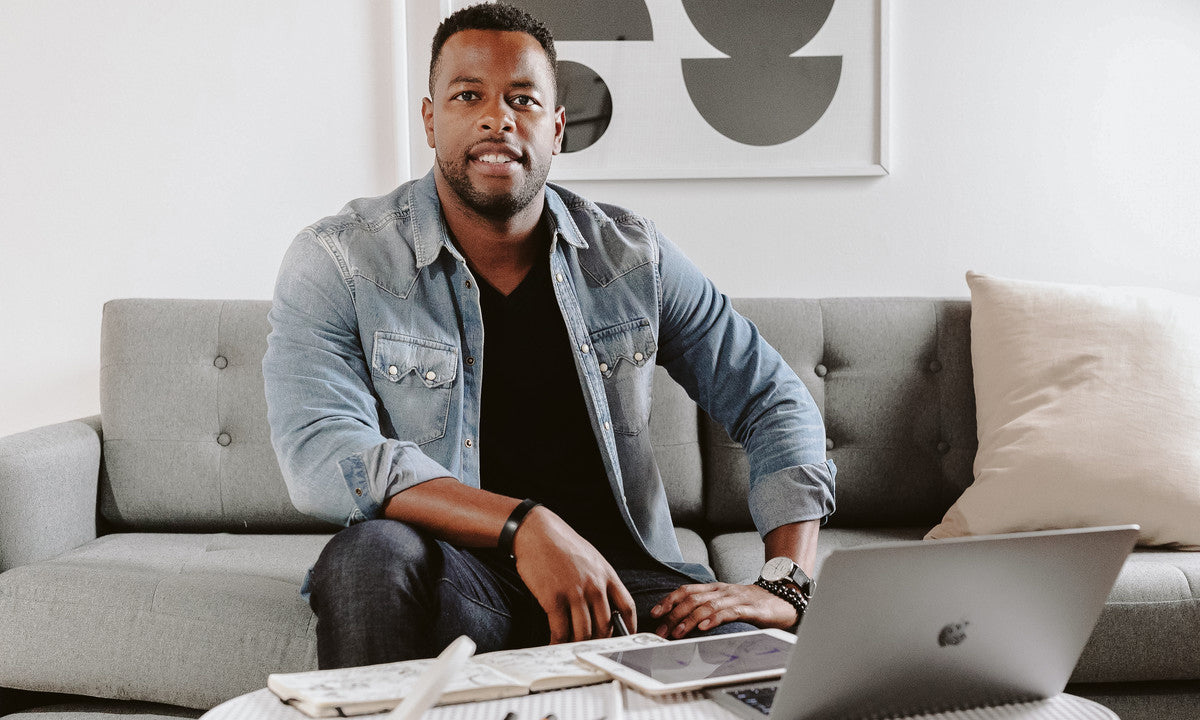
{"type": "Point", "coordinates": [264, 705]}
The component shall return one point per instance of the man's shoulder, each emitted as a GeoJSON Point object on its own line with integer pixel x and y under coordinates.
{"type": "Point", "coordinates": [594, 213]}
{"type": "Point", "coordinates": [371, 238]}
{"type": "Point", "coordinates": [366, 216]}
{"type": "Point", "coordinates": [617, 239]}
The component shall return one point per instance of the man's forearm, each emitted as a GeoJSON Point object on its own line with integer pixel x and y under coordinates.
{"type": "Point", "coordinates": [797, 541]}
{"type": "Point", "coordinates": [451, 511]}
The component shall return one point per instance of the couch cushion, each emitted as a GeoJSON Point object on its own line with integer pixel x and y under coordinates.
{"type": "Point", "coordinates": [1149, 627]}
{"type": "Point", "coordinates": [738, 556]}
{"type": "Point", "coordinates": [186, 440]}
{"type": "Point", "coordinates": [1147, 630]}
{"type": "Point", "coordinates": [892, 377]}
{"type": "Point", "coordinates": [188, 620]}
{"type": "Point", "coordinates": [1089, 411]}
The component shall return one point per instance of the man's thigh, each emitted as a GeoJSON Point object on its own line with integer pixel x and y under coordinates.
{"type": "Point", "coordinates": [385, 591]}
{"type": "Point", "coordinates": [481, 594]}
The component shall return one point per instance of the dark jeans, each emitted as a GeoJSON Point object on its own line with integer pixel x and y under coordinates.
{"type": "Point", "coordinates": [384, 591]}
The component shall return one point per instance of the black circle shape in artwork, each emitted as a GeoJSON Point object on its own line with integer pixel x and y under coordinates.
{"type": "Point", "coordinates": [588, 102]}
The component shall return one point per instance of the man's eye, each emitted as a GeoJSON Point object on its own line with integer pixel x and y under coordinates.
{"type": "Point", "coordinates": [523, 100]}
{"type": "Point", "coordinates": [466, 95]}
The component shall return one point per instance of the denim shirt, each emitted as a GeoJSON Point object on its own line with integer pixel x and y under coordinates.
{"type": "Point", "coordinates": [375, 358]}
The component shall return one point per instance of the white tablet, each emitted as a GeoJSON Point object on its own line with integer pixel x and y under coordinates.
{"type": "Point", "coordinates": [699, 662]}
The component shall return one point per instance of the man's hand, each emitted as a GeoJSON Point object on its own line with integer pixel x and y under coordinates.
{"type": "Point", "coordinates": [707, 606]}
{"type": "Point", "coordinates": [571, 580]}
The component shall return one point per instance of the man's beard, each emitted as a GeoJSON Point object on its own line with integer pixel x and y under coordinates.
{"type": "Point", "coordinates": [499, 206]}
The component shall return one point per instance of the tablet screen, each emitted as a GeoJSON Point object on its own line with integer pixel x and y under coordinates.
{"type": "Point", "coordinates": [715, 657]}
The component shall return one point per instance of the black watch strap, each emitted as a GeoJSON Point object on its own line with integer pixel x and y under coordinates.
{"type": "Point", "coordinates": [788, 591]}
{"type": "Point", "coordinates": [509, 531]}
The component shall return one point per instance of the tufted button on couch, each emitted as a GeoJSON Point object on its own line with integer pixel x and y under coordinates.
{"type": "Point", "coordinates": [151, 561]}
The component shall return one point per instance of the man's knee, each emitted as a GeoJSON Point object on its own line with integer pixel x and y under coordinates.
{"type": "Point", "coordinates": [375, 558]}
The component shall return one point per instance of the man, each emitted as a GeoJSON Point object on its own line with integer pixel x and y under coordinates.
{"type": "Point", "coordinates": [384, 319]}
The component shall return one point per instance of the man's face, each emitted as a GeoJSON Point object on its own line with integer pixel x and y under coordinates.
{"type": "Point", "coordinates": [492, 121]}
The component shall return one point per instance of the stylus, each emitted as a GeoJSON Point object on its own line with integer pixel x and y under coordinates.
{"type": "Point", "coordinates": [618, 625]}
{"type": "Point", "coordinates": [433, 681]}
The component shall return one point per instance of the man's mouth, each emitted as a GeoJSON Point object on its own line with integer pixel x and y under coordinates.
{"type": "Point", "coordinates": [495, 156]}
{"type": "Point", "coordinates": [495, 159]}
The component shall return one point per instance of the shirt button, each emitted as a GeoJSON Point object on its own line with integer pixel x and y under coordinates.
{"type": "Point", "coordinates": [431, 376]}
{"type": "Point", "coordinates": [559, 277]}
{"type": "Point", "coordinates": [471, 360]}
{"type": "Point", "coordinates": [638, 357]}
{"type": "Point", "coordinates": [607, 425]}
{"type": "Point", "coordinates": [603, 367]}
{"type": "Point", "coordinates": [470, 442]}
{"type": "Point", "coordinates": [584, 348]}
{"type": "Point", "coordinates": [223, 439]}
{"type": "Point", "coordinates": [220, 362]}
{"type": "Point", "coordinates": [393, 370]}
{"type": "Point", "coordinates": [468, 284]}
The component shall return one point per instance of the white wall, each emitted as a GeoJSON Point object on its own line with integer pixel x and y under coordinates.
{"type": "Point", "coordinates": [173, 149]}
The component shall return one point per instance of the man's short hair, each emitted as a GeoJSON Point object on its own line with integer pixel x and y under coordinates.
{"type": "Point", "coordinates": [493, 16]}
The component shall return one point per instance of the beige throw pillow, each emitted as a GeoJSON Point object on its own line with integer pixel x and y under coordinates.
{"type": "Point", "coordinates": [1088, 407]}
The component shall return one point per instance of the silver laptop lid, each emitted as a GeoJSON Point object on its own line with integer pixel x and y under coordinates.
{"type": "Point", "coordinates": [935, 625]}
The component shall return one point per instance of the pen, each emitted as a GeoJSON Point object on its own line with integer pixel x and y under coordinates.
{"type": "Point", "coordinates": [618, 625]}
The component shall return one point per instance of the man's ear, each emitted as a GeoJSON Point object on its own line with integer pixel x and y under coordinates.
{"type": "Point", "coordinates": [560, 127]}
{"type": "Point", "coordinates": [427, 118]}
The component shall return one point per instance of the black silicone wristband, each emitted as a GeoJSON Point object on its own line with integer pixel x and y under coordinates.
{"type": "Point", "coordinates": [509, 531]}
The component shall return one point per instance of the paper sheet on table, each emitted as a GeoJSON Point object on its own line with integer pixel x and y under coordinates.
{"type": "Point", "coordinates": [591, 702]}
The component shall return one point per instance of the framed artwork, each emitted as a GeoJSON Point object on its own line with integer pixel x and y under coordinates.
{"type": "Point", "coordinates": [657, 89]}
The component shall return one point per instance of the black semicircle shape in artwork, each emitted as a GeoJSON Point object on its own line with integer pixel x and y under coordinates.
{"type": "Point", "coordinates": [760, 102]}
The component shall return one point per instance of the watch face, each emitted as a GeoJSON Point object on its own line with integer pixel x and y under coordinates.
{"type": "Point", "coordinates": [777, 569]}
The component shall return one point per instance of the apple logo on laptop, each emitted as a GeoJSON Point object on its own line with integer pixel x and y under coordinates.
{"type": "Point", "coordinates": [953, 634]}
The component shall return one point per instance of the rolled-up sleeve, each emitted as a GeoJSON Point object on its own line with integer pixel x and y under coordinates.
{"type": "Point", "coordinates": [324, 417]}
{"type": "Point", "coordinates": [726, 366]}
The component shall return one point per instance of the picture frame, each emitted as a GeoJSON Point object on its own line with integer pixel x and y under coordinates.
{"type": "Point", "coordinates": [680, 101]}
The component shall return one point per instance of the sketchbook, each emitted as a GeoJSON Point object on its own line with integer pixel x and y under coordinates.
{"type": "Point", "coordinates": [500, 674]}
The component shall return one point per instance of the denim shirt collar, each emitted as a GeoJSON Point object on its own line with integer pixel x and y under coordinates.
{"type": "Point", "coordinates": [430, 234]}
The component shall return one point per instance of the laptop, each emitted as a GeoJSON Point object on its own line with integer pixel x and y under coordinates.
{"type": "Point", "coordinates": [929, 626]}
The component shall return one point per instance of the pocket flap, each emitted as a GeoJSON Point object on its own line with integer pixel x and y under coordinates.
{"type": "Point", "coordinates": [632, 342]}
{"type": "Point", "coordinates": [395, 356]}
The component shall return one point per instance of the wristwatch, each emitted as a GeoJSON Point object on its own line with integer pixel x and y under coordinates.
{"type": "Point", "coordinates": [782, 577]}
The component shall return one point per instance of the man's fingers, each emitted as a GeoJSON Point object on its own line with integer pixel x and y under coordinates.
{"type": "Point", "coordinates": [622, 602]}
{"type": "Point", "coordinates": [679, 595]}
{"type": "Point", "coordinates": [559, 619]}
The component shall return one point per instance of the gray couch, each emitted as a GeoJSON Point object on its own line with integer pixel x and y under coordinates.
{"type": "Point", "coordinates": [151, 554]}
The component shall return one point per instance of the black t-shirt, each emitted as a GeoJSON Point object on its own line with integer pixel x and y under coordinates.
{"type": "Point", "coordinates": [536, 439]}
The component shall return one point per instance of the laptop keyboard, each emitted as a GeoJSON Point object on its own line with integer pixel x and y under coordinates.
{"type": "Point", "coordinates": [759, 698]}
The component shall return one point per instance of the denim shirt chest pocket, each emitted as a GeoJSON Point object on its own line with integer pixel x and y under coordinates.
{"type": "Point", "coordinates": [625, 354]}
{"type": "Point", "coordinates": [417, 382]}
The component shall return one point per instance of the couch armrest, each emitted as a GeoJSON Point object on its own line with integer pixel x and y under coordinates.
{"type": "Point", "coordinates": [48, 484]}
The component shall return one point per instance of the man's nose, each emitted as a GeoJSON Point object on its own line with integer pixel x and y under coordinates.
{"type": "Point", "coordinates": [497, 115]}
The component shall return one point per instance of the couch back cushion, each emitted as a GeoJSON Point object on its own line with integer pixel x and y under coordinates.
{"type": "Point", "coordinates": [892, 377]}
{"type": "Point", "coordinates": [186, 442]}
{"type": "Point", "coordinates": [187, 446]}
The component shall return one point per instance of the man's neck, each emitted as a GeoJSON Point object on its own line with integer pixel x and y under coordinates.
{"type": "Point", "coordinates": [502, 250]}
